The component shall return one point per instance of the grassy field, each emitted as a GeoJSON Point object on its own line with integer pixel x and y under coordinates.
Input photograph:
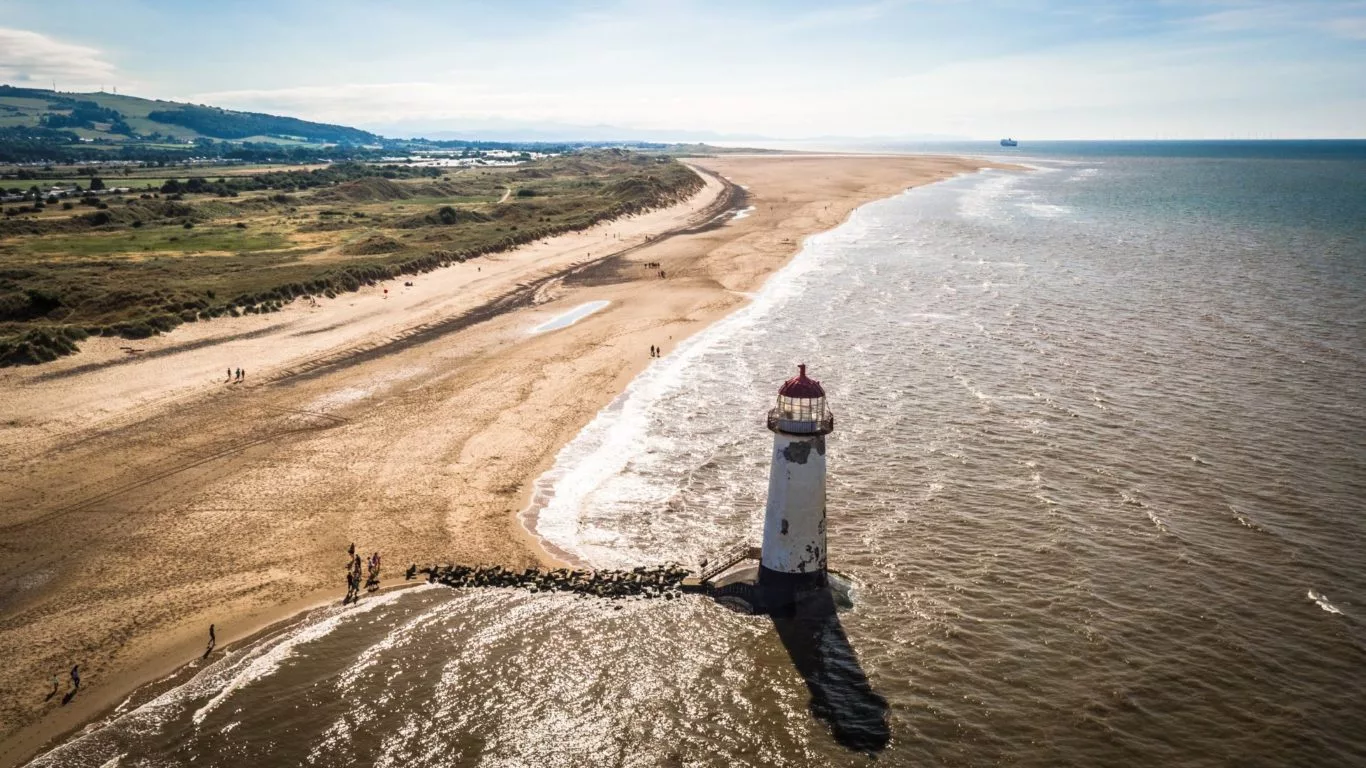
{"type": "Point", "coordinates": [140, 178]}
{"type": "Point", "coordinates": [144, 265]}
{"type": "Point", "coordinates": [173, 240]}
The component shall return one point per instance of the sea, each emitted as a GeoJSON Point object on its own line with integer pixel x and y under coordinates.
{"type": "Point", "coordinates": [1097, 485]}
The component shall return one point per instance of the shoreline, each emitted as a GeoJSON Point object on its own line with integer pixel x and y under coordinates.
{"type": "Point", "coordinates": [169, 658]}
{"type": "Point", "coordinates": [717, 261]}
{"type": "Point", "coordinates": [527, 515]}
{"type": "Point", "coordinates": [151, 677]}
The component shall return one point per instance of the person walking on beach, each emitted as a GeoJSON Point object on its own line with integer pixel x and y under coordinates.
{"type": "Point", "coordinates": [373, 580]}
{"type": "Point", "coordinates": [229, 374]}
{"type": "Point", "coordinates": [76, 677]}
{"type": "Point", "coordinates": [213, 638]}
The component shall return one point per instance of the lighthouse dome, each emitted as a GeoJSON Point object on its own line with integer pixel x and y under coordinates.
{"type": "Point", "coordinates": [800, 386]}
{"type": "Point", "coordinates": [801, 407]}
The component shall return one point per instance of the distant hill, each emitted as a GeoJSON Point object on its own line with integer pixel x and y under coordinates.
{"type": "Point", "coordinates": [41, 126]}
{"type": "Point", "coordinates": [110, 118]}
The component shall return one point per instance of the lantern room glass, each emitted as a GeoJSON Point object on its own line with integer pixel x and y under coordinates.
{"type": "Point", "coordinates": [801, 416]}
{"type": "Point", "coordinates": [801, 408]}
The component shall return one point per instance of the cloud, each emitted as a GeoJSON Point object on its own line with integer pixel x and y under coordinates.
{"type": "Point", "coordinates": [1346, 27]}
{"type": "Point", "coordinates": [350, 101]}
{"type": "Point", "coordinates": [1344, 19]}
{"type": "Point", "coordinates": [825, 18]}
{"type": "Point", "coordinates": [27, 56]}
{"type": "Point", "coordinates": [872, 68]}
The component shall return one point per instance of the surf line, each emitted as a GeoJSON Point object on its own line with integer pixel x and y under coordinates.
{"type": "Point", "coordinates": [569, 318]}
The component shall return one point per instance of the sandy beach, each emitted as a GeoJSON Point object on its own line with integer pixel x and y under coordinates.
{"type": "Point", "coordinates": [145, 495]}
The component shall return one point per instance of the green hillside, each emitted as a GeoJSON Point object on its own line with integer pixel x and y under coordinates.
{"type": "Point", "coordinates": [110, 119]}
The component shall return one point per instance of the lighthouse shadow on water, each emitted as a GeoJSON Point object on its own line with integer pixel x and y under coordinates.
{"type": "Point", "coordinates": [841, 693]}
{"type": "Point", "coordinates": [791, 583]}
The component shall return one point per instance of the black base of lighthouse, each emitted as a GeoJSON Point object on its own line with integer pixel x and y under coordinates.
{"type": "Point", "coordinates": [778, 588]}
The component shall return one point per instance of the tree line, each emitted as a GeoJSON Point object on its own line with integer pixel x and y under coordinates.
{"type": "Point", "coordinates": [225, 124]}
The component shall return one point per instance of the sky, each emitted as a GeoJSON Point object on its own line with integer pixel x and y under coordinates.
{"type": "Point", "coordinates": [980, 69]}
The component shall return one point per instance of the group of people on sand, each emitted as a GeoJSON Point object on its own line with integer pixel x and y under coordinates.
{"type": "Point", "coordinates": [353, 572]}
{"type": "Point", "coordinates": [656, 351]}
{"type": "Point", "coordinates": [75, 678]}
{"type": "Point", "coordinates": [236, 374]}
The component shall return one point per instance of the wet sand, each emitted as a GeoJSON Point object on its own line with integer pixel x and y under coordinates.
{"type": "Point", "coordinates": [145, 496]}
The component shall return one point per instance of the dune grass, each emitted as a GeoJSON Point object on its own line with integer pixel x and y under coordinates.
{"type": "Point", "coordinates": [170, 240]}
{"type": "Point", "coordinates": [143, 266]}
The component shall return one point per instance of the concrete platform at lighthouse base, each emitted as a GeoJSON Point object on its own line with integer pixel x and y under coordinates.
{"type": "Point", "coordinates": [742, 589]}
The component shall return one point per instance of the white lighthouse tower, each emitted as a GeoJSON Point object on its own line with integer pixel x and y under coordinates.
{"type": "Point", "coordinates": [793, 553]}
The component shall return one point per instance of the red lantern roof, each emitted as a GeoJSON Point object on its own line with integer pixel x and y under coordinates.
{"type": "Point", "coordinates": [800, 386]}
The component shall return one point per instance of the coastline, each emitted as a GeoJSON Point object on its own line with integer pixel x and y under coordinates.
{"type": "Point", "coordinates": [531, 394]}
{"type": "Point", "coordinates": [171, 669]}
{"type": "Point", "coordinates": [527, 515]}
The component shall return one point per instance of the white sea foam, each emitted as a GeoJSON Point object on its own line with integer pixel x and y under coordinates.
{"type": "Point", "coordinates": [397, 637]}
{"type": "Point", "coordinates": [263, 659]}
{"type": "Point", "coordinates": [1322, 602]}
{"type": "Point", "coordinates": [1046, 210]}
{"type": "Point", "coordinates": [744, 212]}
{"type": "Point", "coordinates": [1157, 521]}
{"type": "Point", "coordinates": [621, 431]}
{"type": "Point", "coordinates": [982, 201]}
{"type": "Point", "coordinates": [220, 679]}
{"type": "Point", "coordinates": [1243, 520]}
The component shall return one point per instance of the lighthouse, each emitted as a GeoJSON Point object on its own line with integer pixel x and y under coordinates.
{"type": "Point", "coordinates": [793, 554]}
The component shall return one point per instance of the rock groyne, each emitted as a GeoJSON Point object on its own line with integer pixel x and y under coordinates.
{"type": "Point", "coordinates": [657, 582]}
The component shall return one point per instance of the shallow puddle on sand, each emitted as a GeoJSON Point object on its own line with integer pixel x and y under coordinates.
{"type": "Point", "coordinates": [569, 318]}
